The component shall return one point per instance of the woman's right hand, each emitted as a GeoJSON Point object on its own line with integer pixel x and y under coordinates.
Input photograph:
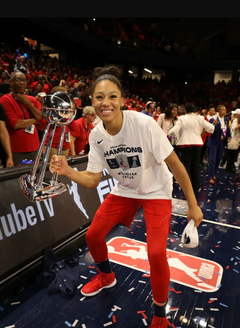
{"type": "Point", "coordinates": [59, 165]}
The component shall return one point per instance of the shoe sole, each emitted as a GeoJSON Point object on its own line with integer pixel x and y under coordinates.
{"type": "Point", "coordinates": [99, 290]}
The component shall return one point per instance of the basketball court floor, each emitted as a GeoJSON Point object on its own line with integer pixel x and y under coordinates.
{"type": "Point", "coordinates": [205, 281]}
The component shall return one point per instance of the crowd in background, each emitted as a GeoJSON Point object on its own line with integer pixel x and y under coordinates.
{"type": "Point", "coordinates": [154, 97]}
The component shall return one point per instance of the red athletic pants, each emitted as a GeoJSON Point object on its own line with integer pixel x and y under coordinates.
{"type": "Point", "coordinates": [157, 215]}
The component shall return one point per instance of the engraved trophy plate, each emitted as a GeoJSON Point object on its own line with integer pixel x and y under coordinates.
{"type": "Point", "coordinates": [59, 109]}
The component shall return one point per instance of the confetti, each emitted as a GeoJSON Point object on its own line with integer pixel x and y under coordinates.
{"type": "Point", "coordinates": [131, 289]}
{"type": "Point", "coordinates": [114, 318]}
{"type": "Point", "coordinates": [83, 325]}
{"type": "Point", "coordinates": [142, 282]}
{"type": "Point", "coordinates": [83, 277]}
{"type": "Point", "coordinates": [144, 322]}
{"type": "Point", "coordinates": [68, 324]}
{"type": "Point", "coordinates": [223, 305]}
{"type": "Point", "coordinates": [115, 307]}
{"type": "Point", "coordinates": [83, 298]}
{"type": "Point", "coordinates": [15, 303]}
{"type": "Point", "coordinates": [75, 323]}
{"type": "Point", "coordinates": [214, 309]}
{"type": "Point", "coordinates": [107, 324]}
{"type": "Point", "coordinates": [199, 309]}
{"type": "Point", "coordinates": [78, 287]}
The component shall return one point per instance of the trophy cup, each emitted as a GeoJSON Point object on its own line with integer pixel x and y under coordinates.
{"type": "Point", "coordinates": [59, 109]}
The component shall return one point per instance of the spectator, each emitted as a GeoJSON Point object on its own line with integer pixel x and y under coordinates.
{"type": "Point", "coordinates": [189, 128]}
{"type": "Point", "coordinates": [21, 65]}
{"type": "Point", "coordinates": [217, 142]}
{"type": "Point", "coordinates": [205, 136]}
{"type": "Point", "coordinates": [232, 154]}
{"type": "Point", "coordinates": [157, 113]}
{"type": "Point", "coordinates": [79, 143]}
{"type": "Point", "coordinates": [5, 145]}
{"type": "Point", "coordinates": [211, 112]}
{"type": "Point", "coordinates": [86, 100]}
{"type": "Point", "coordinates": [22, 113]}
{"type": "Point", "coordinates": [46, 84]}
{"type": "Point", "coordinates": [39, 88]}
{"type": "Point", "coordinates": [4, 77]}
{"type": "Point", "coordinates": [149, 109]}
{"type": "Point", "coordinates": [166, 121]}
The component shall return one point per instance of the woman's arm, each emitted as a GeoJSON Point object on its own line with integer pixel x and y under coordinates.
{"type": "Point", "coordinates": [86, 179]}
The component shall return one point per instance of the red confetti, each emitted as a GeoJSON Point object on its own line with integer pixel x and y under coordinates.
{"type": "Point", "coordinates": [143, 314]}
{"type": "Point", "coordinates": [173, 290]}
{"type": "Point", "coordinates": [114, 318]}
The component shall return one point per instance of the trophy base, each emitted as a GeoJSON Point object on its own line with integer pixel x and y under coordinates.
{"type": "Point", "coordinates": [47, 190]}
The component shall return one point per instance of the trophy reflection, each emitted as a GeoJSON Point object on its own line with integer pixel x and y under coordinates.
{"type": "Point", "coordinates": [59, 109]}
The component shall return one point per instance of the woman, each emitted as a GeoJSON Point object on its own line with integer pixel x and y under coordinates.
{"type": "Point", "coordinates": [190, 127]}
{"type": "Point", "coordinates": [205, 136]}
{"type": "Point", "coordinates": [136, 153]}
{"type": "Point", "coordinates": [167, 121]}
{"type": "Point", "coordinates": [79, 142]}
{"type": "Point", "coordinates": [232, 154]}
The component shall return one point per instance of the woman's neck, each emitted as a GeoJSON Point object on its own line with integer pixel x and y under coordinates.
{"type": "Point", "coordinates": [115, 126]}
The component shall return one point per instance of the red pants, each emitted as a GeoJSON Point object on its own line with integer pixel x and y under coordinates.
{"type": "Point", "coordinates": [157, 215]}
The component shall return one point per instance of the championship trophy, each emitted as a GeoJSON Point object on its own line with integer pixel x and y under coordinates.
{"type": "Point", "coordinates": [59, 109]}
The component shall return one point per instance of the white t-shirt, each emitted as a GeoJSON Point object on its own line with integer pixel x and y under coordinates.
{"type": "Point", "coordinates": [134, 157]}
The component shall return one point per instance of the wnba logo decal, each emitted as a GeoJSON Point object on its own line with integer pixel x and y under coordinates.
{"type": "Point", "coordinates": [73, 190]}
{"type": "Point", "coordinates": [188, 270]}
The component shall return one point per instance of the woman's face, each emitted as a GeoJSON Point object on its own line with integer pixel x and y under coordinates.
{"type": "Point", "coordinates": [107, 101]}
{"type": "Point", "coordinates": [91, 117]}
{"type": "Point", "coordinates": [174, 112]}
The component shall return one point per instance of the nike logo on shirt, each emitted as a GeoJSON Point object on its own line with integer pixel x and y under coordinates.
{"type": "Point", "coordinates": [99, 141]}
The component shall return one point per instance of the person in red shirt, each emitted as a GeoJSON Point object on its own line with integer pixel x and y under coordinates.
{"type": "Point", "coordinates": [80, 133]}
{"type": "Point", "coordinates": [22, 112]}
{"type": "Point", "coordinates": [133, 106]}
{"type": "Point", "coordinates": [205, 136]}
{"type": "Point", "coordinates": [46, 84]}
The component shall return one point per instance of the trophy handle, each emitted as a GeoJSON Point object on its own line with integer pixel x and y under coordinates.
{"type": "Point", "coordinates": [55, 175]}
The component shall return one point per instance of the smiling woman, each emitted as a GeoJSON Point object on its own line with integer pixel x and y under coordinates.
{"type": "Point", "coordinates": [107, 99]}
{"type": "Point", "coordinates": [137, 153]}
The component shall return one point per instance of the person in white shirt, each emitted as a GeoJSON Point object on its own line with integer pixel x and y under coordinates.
{"type": "Point", "coordinates": [232, 154]}
{"type": "Point", "coordinates": [189, 128]}
{"type": "Point", "coordinates": [137, 153]}
{"type": "Point", "coordinates": [166, 121]}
